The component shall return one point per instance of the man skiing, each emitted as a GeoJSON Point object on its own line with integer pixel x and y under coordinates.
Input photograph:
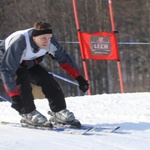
{"type": "Point", "coordinates": [20, 55]}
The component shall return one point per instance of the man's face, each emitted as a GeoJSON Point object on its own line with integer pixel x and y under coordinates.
{"type": "Point", "coordinates": [42, 40]}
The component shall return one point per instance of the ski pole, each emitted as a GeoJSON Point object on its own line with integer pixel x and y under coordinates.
{"type": "Point", "coordinates": [64, 79]}
{"type": "Point", "coordinates": [55, 75]}
{"type": "Point", "coordinates": [5, 99]}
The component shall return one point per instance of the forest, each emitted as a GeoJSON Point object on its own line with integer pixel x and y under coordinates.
{"type": "Point", "coordinates": [132, 23]}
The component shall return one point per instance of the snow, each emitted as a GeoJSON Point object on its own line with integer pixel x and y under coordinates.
{"type": "Point", "coordinates": [131, 111]}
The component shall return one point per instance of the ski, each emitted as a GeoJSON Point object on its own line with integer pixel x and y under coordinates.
{"type": "Point", "coordinates": [103, 129]}
{"type": "Point", "coordinates": [84, 130]}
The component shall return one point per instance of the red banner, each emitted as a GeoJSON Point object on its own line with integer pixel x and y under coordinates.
{"type": "Point", "coordinates": [99, 46]}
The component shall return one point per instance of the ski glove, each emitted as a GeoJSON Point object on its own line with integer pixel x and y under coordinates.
{"type": "Point", "coordinates": [83, 84]}
{"type": "Point", "coordinates": [16, 103]}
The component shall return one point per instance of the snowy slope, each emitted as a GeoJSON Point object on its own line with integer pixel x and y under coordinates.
{"type": "Point", "coordinates": [131, 111]}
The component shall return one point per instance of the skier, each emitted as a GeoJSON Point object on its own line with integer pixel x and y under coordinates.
{"type": "Point", "coordinates": [20, 55]}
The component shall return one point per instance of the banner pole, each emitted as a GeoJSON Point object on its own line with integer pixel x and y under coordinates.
{"type": "Point", "coordinates": [118, 61]}
{"type": "Point", "coordinates": [80, 43]}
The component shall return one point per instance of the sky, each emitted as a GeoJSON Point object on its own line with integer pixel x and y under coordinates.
{"type": "Point", "coordinates": [130, 111]}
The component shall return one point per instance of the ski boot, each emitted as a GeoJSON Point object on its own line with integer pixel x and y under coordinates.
{"type": "Point", "coordinates": [64, 117]}
{"type": "Point", "coordinates": [35, 119]}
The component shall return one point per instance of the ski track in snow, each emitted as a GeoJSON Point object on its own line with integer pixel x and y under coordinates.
{"type": "Point", "coordinates": [131, 111]}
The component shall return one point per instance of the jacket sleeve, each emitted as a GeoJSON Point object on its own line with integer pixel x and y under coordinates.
{"type": "Point", "coordinates": [64, 59]}
{"type": "Point", "coordinates": [11, 62]}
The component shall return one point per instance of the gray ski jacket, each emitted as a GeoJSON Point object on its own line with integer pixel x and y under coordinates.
{"type": "Point", "coordinates": [19, 49]}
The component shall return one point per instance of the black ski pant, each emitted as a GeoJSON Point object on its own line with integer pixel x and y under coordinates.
{"type": "Point", "coordinates": [50, 88]}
